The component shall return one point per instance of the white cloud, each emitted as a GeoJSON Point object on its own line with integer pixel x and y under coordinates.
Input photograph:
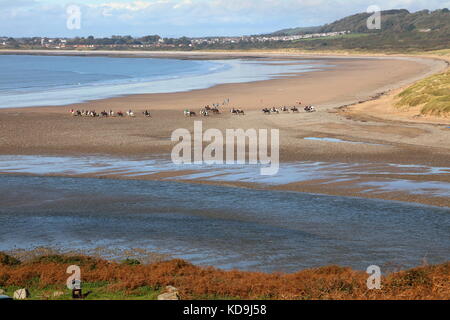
{"type": "Point", "coordinates": [190, 17]}
{"type": "Point", "coordinates": [131, 6]}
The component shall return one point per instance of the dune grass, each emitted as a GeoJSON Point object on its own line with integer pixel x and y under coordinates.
{"type": "Point", "coordinates": [124, 280]}
{"type": "Point", "coordinates": [431, 94]}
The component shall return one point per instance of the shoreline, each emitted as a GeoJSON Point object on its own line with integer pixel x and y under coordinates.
{"type": "Point", "coordinates": [435, 65]}
{"type": "Point", "coordinates": [218, 54]}
{"type": "Point", "coordinates": [394, 141]}
{"type": "Point", "coordinates": [233, 71]}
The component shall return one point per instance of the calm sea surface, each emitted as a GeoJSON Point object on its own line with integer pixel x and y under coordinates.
{"type": "Point", "coordinates": [220, 226]}
{"type": "Point", "coordinates": [58, 80]}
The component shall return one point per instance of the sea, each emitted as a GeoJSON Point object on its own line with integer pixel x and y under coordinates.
{"type": "Point", "coordinates": [29, 80]}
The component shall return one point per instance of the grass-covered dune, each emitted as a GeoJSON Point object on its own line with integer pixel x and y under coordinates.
{"type": "Point", "coordinates": [45, 275]}
{"type": "Point", "coordinates": [432, 95]}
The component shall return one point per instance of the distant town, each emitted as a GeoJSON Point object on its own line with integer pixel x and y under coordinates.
{"type": "Point", "coordinates": [153, 41]}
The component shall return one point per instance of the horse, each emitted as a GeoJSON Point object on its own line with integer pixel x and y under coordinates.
{"type": "Point", "coordinates": [104, 113]}
{"type": "Point", "coordinates": [120, 114]}
{"type": "Point", "coordinates": [204, 113]}
{"type": "Point", "coordinates": [284, 109]}
{"type": "Point", "coordinates": [266, 111]}
{"type": "Point", "coordinates": [188, 113]}
{"type": "Point", "coordinates": [130, 113]}
{"type": "Point", "coordinates": [274, 110]}
{"type": "Point", "coordinates": [294, 109]}
{"type": "Point", "coordinates": [238, 112]}
{"type": "Point", "coordinates": [310, 109]}
{"type": "Point", "coordinates": [75, 113]}
{"type": "Point", "coordinates": [147, 114]}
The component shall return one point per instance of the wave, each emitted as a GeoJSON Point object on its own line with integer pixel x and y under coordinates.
{"type": "Point", "coordinates": [63, 83]}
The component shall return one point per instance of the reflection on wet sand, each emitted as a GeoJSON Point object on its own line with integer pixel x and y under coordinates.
{"type": "Point", "coordinates": [431, 184]}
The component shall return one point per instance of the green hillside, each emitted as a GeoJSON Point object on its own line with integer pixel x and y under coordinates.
{"type": "Point", "coordinates": [391, 21]}
{"type": "Point", "coordinates": [396, 21]}
{"type": "Point", "coordinates": [296, 31]}
{"type": "Point", "coordinates": [401, 31]}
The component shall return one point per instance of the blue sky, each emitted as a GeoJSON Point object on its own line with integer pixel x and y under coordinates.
{"type": "Point", "coordinates": [174, 18]}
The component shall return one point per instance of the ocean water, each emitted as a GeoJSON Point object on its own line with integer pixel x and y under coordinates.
{"type": "Point", "coordinates": [220, 226]}
{"type": "Point", "coordinates": [28, 80]}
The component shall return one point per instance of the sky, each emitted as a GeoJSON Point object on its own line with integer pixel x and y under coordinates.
{"type": "Point", "coordinates": [175, 18]}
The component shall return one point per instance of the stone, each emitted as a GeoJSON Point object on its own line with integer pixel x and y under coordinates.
{"type": "Point", "coordinates": [21, 294]}
{"type": "Point", "coordinates": [171, 289]}
{"type": "Point", "coordinates": [57, 294]}
{"type": "Point", "coordinates": [169, 296]}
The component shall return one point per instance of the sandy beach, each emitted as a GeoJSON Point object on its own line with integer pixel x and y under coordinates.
{"type": "Point", "coordinates": [368, 84]}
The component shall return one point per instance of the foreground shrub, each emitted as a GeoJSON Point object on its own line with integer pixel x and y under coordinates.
{"type": "Point", "coordinates": [7, 260]}
{"type": "Point", "coordinates": [333, 282]}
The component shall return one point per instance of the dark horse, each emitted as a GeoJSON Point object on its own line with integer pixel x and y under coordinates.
{"type": "Point", "coordinates": [237, 112]}
{"type": "Point", "coordinates": [188, 113]}
{"type": "Point", "coordinates": [310, 109]}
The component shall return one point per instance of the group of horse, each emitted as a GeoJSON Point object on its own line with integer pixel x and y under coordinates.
{"type": "Point", "coordinates": [204, 112]}
{"type": "Point", "coordinates": [207, 110]}
{"type": "Point", "coordinates": [284, 109]}
{"type": "Point", "coordinates": [105, 114]}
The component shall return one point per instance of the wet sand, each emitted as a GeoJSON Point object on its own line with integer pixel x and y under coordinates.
{"type": "Point", "coordinates": [53, 131]}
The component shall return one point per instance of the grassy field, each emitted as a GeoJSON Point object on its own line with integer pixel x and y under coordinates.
{"type": "Point", "coordinates": [431, 94]}
{"type": "Point", "coordinates": [43, 276]}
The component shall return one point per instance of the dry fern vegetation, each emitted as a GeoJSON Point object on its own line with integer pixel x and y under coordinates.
{"type": "Point", "coordinates": [131, 280]}
{"type": "Point", "coordinates": [432, 95]}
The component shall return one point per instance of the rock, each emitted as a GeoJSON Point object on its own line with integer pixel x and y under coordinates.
{"type": "Point", "coordinates": [171, 289]}
{"type": "Point", "coordinates": [169, 296]}
{"type": "Point", "coordinates": [21, 294]}
{"type": "Point", "coordinates": [171, 293]}
{"type": "Point", "coordinates": [57, 294]}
